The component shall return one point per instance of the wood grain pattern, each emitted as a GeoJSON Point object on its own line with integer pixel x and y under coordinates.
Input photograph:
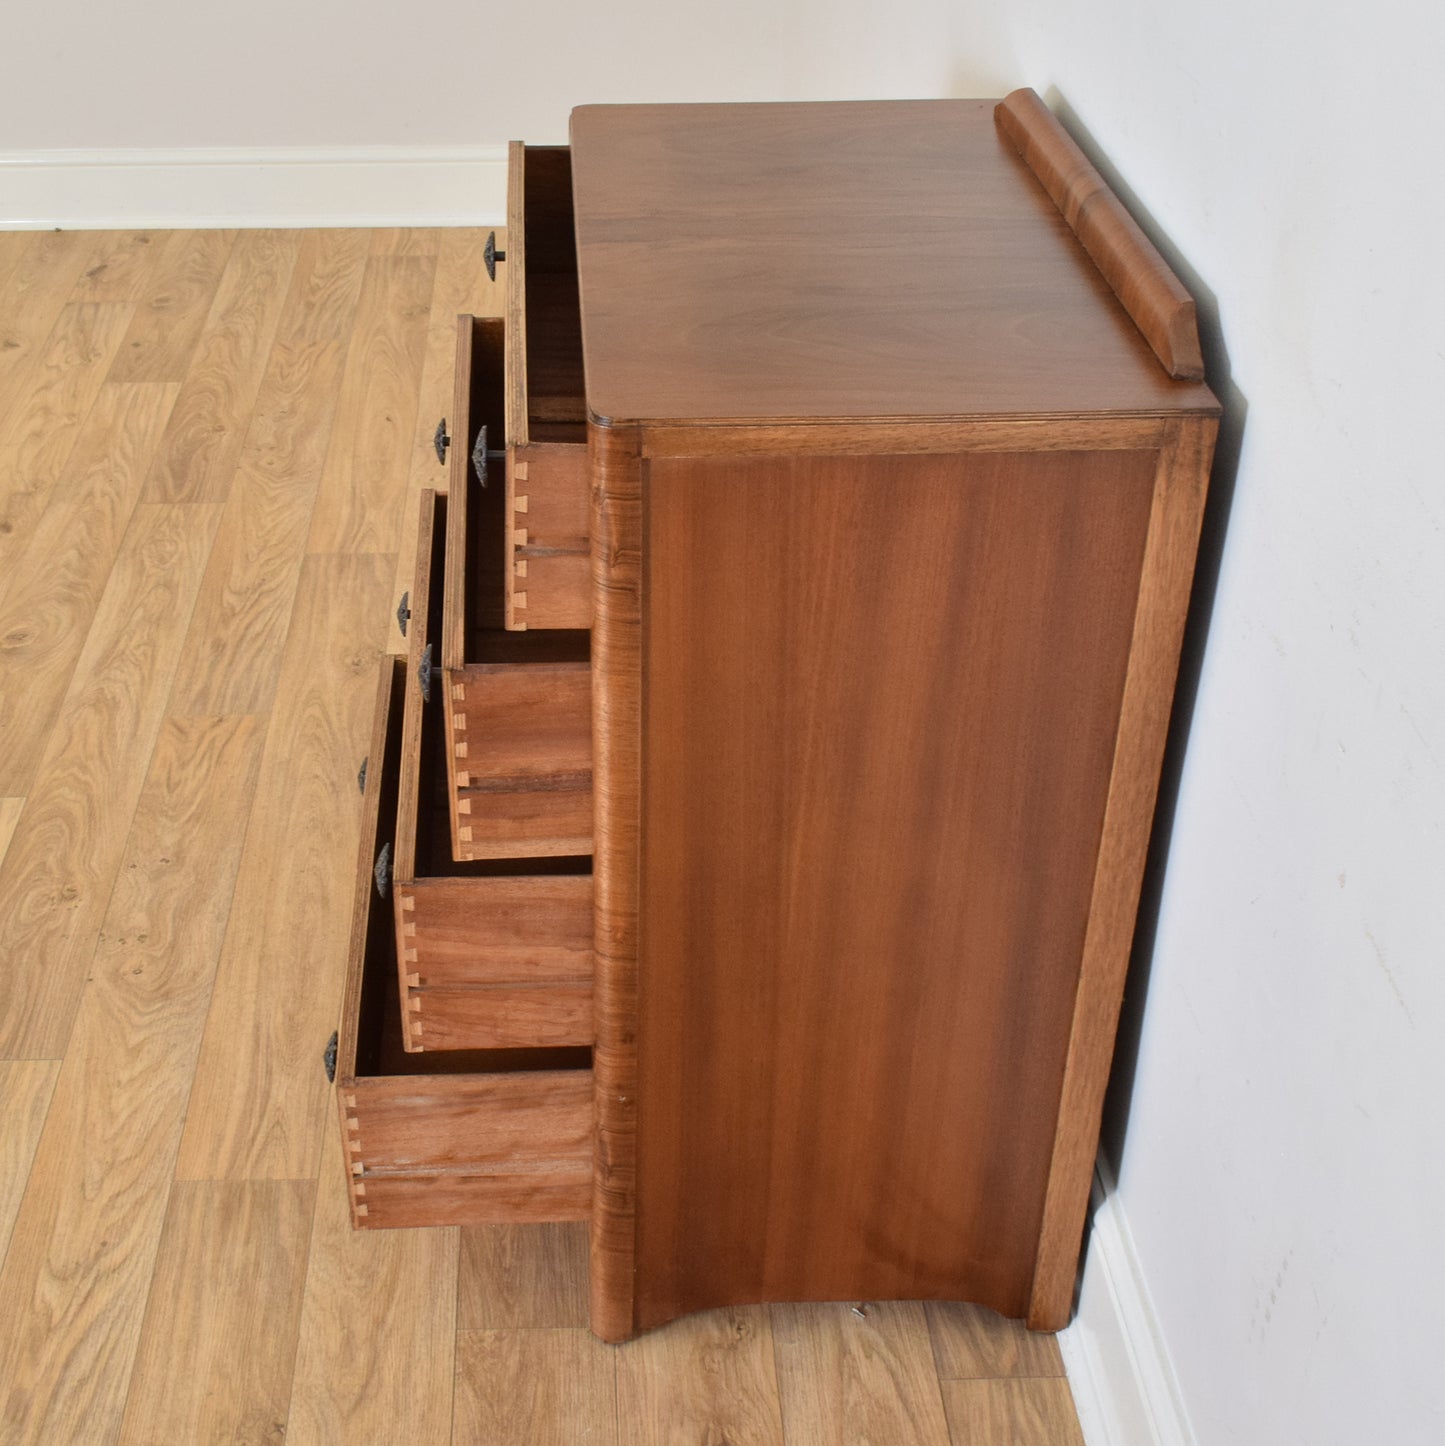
{"type": "Point", "coordinates": [41, 429]}
{"type": "Point", "coordinates": [708, 1378]}
{"type": "Point", "coordinates": [377, 1328]}
{"type": "Point", "coordinates": [548, 525]}
{"type": "Point", "coordinates": [522, 1123]}
{"type": "Point", "coordinates": [1011, 1413]}
{"type": "Point", "coordinates": [939, 282]}
{"type": "Point", "coordinates": [1177, 511]}
{"type": "Point", "coordinates": [226, 1301]}
{"type": "Point", "coordinates": [25, 1089]}
{"type": "Point", "coordinates": [1012, 434]}
{"type": "Point", "coordinates": [507, 930]}
{"type": "Point", "coordinates": [9, 816]}
{"type": "Point", "coordinates": [971, 1342]}
{"type": "Point", "coordinates": [49, 598]}
{"type": "Point", "coordinates": [244, 608]}
{"type": "Point", "coordinates": [845, 822]}
{"type": "Point", "coordinates": [617, 744]}
{"type": "Point", "coordinates": [501, 1016]}
{"type": "Point", "coordinates": [171, 311]}
{"type": "Point", "coordinates": [260, 1099]}
{"type": "Point", "coordinates": [544, 1387]}
{"type": "Point", "coordinates": [358, 504]}
{"type": "Point", "coordinates": [81, 1261]}
{"type": "Point", "coordinates": [1147, 289]}
{"type": "Point", "coordinates": [120, 266]}
{"type": "Point", "coordinates": [523, 1277]}
{"type": "Point", "coordinates": [853, 1376]}
{"type": "Point", "coordinates": [44, 273]}
{"type": "Point", "coordinates": [515, 276]}
{"type": "Point", "coordinates": [197, 457]}
{"type": "Point", "coordinates": [58, 873]}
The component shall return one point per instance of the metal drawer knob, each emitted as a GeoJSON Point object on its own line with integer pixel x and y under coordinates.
{"type": "Point", "coordinates": [403, 611]}
{"type": "Point", "coordinates": [441, 441]}
{"type": "Point", "coordinates": [491, 255]}
{"type": "Point", "coordinates": [381, 874]}
{"type": "Point", "coordinates": [328, 1058]}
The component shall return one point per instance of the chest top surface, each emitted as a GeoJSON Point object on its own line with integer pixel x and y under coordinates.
{"type": "Point", "coordinates": [843, 260]}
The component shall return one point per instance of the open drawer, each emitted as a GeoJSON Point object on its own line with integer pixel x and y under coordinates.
{"type": "Point", "coordinates": [448, 1138]}
{"type": "Point", "coordinates": [547, 581]}
{"type": "Point", "coordinates": [494, 952]}
{"type": "Point", "coordinates": [516, 708]}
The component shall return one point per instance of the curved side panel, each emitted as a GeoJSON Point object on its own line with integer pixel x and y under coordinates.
{"type": "Point", "coordinates": [616, 728]}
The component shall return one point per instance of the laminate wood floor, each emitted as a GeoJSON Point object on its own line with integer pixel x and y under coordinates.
{"type": "Point", "coordinates": [210, 446]}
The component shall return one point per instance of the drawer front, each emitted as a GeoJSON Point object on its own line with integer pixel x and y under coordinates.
{"type": "Point", "coordinates": [450, 1137]}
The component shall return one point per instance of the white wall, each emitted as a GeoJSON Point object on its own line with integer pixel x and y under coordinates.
{"type": "Point", "coordinates": [1283, 1167]}
{"type": "Point", "coordinates": [1283, 1170]}
{"type": "Point", "coordinates": [320, 73]}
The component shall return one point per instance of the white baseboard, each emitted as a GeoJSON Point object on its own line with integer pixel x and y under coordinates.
{"type": "Point", "coordinates": [1125, 1390]}
{"type": "Point", "coordinates": [339, 186]}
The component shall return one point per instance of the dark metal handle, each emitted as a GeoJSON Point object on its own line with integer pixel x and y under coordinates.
{"type": "Point", "coordinates": [361, 775]}
{"type": "Point", "coordinates": [441, 441]}
{"type": "Point", "coordinates": [403, 611]}
{"type": "Point", "coordinates": [423, 674]}
{"type": "Point", "coordinates": [491, 255]}
{"type": "Point", "coordinates": [382, 872]}
{"type": "Point", "coordinates": [479, 457]}
{"type": "Point", "coordinates": [328, 1057]}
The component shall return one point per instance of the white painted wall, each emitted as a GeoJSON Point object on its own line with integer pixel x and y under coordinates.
{"type": "Point", "coordinates": [321, 73]}
{"type": "Point", "coordinates": [1283, 1170]}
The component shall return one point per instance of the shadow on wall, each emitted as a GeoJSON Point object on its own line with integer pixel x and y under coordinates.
{"type": "Point", "coordinates": [1196, 634]}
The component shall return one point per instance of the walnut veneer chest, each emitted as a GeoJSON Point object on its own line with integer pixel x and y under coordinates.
{"type": "Point", "coordinates": [754, 833]}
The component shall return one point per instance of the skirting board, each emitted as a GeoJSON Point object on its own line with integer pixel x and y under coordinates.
{"type": "Point", "coordinates": [1123, 1382]}
{"type": "Point", "coordinates": [339, 186]}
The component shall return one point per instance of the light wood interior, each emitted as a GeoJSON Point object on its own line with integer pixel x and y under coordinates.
{"type": "Point", "coordinates": [180, 1263]}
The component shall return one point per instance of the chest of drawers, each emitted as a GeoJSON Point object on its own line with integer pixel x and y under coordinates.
{"type": "Point", "coordinates": [786, 775]}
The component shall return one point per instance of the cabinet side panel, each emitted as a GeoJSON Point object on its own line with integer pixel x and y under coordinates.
{"type": "Point", "coordinates": [1168, 572]}
{"type": "Point", "coordinates": [881, 701]}
{"type": "Point", "coordinates": [616, 732]}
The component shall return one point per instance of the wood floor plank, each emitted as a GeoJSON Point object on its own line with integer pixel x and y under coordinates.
{"type": "Point", "coordinates": [78, 1274]}
{"type": "Point", "coordinates": [9, 817]}
{"type": "Point", "coordinates": [233, 652]}
{"type": "Point", "coordinates": [260, 1098]}
{"type": "Point", "coordinates": [847, 1379]}
{"type": "Point", "coordinates": [49, 595]}
{"type": "Point", "coordinates": [46, 266]}
{"type": "Point", "coordinates": [378, 1324]}
{"type": "Point", "coordinates": [707, 1377]}
{"type": "Point", "coordinates": [172, 309]}
{"type": "Point", "coordinates": [56, 878]}
{"type": "Point", "coordinates": [218, 1346]}
{"type": "Point", "coordinates": [359, 503]}
{"type": "Point", "coordinates": [972, 1343]}
{"type": "Point", "coordinates": [462, 286]}
{"type": "Point", "coordinates": [1012, 1413]}
{"type": "Point", "coordinates": [407, 240]}
{"type": "Point", "coordinates": [26, 1086]}
{"type": "Point", "coordinates": [541, 1387]}
{"type": "Point", "coordinates": [197, 457]}
{"type": "Point", "coordinates": [523, 1276]}
{"type": "Point", "coordinates": [121, 265]}
{"type": "Point", "coordinates": [37, 437]}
